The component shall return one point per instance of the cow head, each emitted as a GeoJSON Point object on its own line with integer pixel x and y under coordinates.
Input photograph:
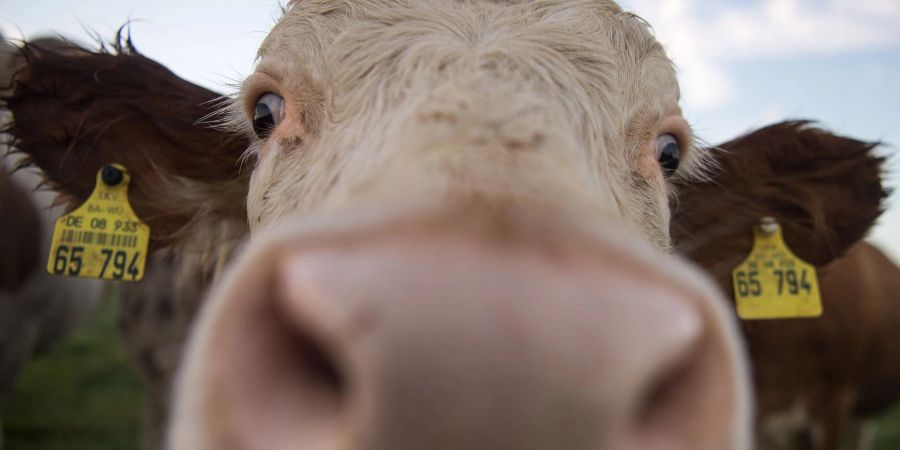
{"type": "Point", "coordinates": [459, 218]}
{"type": "Point", "coordinates": [569, 116]}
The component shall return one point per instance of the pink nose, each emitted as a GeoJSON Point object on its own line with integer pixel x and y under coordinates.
{"type": "Point", "coordinates": [444, 341]}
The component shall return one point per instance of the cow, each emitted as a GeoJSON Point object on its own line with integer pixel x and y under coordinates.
{"type": "Point", "coordinates": [36, 309]}
{"type": "Point", "coordinates": [814, 378]}
{"type": "Point", "coordinates": [419, 224]}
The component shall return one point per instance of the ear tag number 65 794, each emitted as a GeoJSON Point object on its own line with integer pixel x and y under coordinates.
{"type": "Point", "coordinates": [102, 238]}
{"type": "Point", "coordinates": [773, 283]}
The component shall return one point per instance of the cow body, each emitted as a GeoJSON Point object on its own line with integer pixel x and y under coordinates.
{"type": "Point", "coordinates": [456, 223]}
{"type": "Point", "coordinates": [837, 370]}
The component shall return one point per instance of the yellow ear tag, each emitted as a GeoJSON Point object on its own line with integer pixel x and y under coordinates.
{"type": "Point", "coordinates": [773, 283]}
{"type": "Point", "coordinates": [103, 238]}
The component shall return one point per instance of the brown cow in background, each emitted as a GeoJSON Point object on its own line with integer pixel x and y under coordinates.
{"type": "Point", "coordinates": [814, 378]}
{"type": "Point", "coordinates": [36, 309]}
{"type": "Point", "coordinates": [511, 204]}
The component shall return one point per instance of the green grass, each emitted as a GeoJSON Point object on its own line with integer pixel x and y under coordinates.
{"type": "Point", "coordinates": [84, 395]}
{"type": "Point", "coordinates": [888, 434]}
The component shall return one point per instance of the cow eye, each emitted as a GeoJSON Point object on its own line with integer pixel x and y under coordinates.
{"type": "Point", "coordinates": [668, 153]}
{"type": "Point", "coordinates": [267, 114]}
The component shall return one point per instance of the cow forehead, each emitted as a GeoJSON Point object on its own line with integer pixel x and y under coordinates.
{"type": "Point", "coordinates": [591, 33]}
{"type": "Point", "coordinates": [591, 78]}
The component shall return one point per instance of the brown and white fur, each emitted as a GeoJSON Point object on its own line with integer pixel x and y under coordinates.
{"type": "Point", "coordinates": [520, 124]}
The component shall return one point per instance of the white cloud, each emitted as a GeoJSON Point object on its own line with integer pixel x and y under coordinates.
{"type": "Point", "coordinates": [705, 83]}
{"type": "Point", "coordinates": [778, 28]}
{"type": "Point", "coordinates": [703, 38]}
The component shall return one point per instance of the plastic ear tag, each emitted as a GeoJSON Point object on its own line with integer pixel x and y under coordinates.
{"type": "Point", "coordinates": [103, 238]}
{"type": "Point", "coordinates": [773, 283]}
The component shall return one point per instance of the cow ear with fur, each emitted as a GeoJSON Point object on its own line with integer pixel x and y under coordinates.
{"type": "Point", "coordinates": [824, 189]}
{"type": "Point", "coordinates": [76, 110]}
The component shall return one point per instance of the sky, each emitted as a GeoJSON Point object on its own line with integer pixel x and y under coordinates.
{"type": "Point", "coordinates": [742, 63]}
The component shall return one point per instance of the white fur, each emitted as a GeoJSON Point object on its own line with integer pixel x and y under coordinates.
{"type": "Point", "coordinates": [549, 106]}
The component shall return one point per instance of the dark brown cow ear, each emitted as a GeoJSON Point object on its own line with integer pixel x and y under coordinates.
{"type": "Point", "coordinates": [76, 110]}
{"type": "Point", "coordinates": [824, 189]}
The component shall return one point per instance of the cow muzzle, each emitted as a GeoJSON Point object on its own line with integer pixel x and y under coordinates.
{"type": "Point", "coordinates": [430, 338]}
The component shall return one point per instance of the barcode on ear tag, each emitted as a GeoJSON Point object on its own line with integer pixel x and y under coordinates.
{"type": "Point", "coordinates": [773, 283]}
{"type": "Point", "coordinates": [102, 238]}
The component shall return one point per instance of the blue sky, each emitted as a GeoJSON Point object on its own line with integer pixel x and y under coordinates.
{"type": "Point", "coordinates": [743, 63]}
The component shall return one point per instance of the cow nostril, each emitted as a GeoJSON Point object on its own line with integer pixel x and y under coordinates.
{"type": "Point", "coordinates": [670, 404]}
{"type": "Point", "coordinates": [318, 366]}
{"type": "Point", "coordinates": [690, 394]}
{"type": "Point", "coordinates": [663, 394]}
